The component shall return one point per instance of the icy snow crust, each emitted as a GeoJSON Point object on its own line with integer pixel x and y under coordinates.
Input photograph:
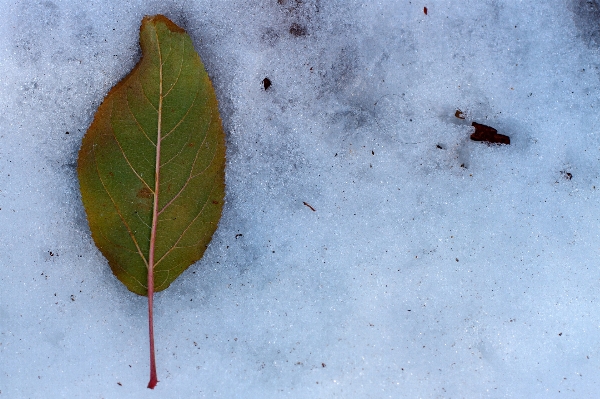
{"type": "Point", "coordinates": [414, 276]}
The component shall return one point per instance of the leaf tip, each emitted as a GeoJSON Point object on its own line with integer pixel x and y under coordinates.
{"type": "Point", "coordinates": [155, 19]}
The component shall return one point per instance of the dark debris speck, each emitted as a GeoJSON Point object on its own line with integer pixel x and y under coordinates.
{"type": "Point", "coordinates": [266, 83]}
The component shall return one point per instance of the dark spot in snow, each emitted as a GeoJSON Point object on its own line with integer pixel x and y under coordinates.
{"type": "Point", "coordinates": [238, 235]}
{"type": "Point", "coordinates": [297, 30]}
{"type": "Point", "coordinates": [566, 175]}
{"type": "Point", "coordinates": [266, 83]}
{"type": "Point", "coordinates": [323, 364]}
{"type": "Point", "coordinates": [425, 10]}
{"type": "Point", "coordinates": [459, 114]}
{"type": "Point", "coordinates": [488, 134]}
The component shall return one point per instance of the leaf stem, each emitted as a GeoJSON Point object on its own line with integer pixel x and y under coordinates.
{"type": "Point", "coordinates": [153, 378]}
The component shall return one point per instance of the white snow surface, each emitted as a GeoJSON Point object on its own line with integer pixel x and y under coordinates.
{"type": "Point", "coordinates": [433, 266]}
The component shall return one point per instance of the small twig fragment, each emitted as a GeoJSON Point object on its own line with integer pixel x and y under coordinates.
{"type": "Point", "coordinates": [308, 205]}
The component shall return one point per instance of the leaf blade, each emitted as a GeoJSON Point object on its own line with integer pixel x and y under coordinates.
{"type": "Point", "coordinates": [151, 165]}
{"type": "Point", "coordinates": [123, 140]}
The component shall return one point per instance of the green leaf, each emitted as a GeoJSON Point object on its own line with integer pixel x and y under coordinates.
{"type": "Point", "coordinates": [152, 165]}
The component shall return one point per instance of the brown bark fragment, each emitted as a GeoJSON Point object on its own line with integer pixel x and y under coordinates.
{"type": "Point", "coordinates": [488, 134]}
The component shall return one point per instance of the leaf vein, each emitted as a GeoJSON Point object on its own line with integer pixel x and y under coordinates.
{"type": "Point", "coordinates": [180, 150]}
{"type": "Point", "coordinates": [127, 160]}
{"type": "Point", "coordinates": [183, 117]}
{"type": "Point", "coordinates": [180, 69]}
{"type": "Point", "coordinates": [147, 98]}
{"type": "Point", "coordinates": [142, 220]}
{"type": "Point", "coordinates": [190, 177]}
{"type": "Point", "coordinates": [117, 209]}
{"type": "Point", "coordinates": [138, 123]}
{"type": "Point", "coordinates": [115, 244]}
{"type": "Point", "coordinates": [187, 228]}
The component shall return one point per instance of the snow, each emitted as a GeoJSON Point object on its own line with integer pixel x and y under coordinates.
{"type": "Point", "coordinates": [414, 276]}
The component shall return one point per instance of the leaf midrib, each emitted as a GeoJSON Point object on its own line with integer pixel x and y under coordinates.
{"type": "Point", "coordinates": [156, 171]}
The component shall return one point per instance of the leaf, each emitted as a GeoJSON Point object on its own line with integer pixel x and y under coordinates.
{"type": "Point", "coordinates": [152, 166]}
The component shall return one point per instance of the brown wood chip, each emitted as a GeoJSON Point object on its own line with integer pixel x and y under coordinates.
{"type": "Point", "coordinates": [488, 134]}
